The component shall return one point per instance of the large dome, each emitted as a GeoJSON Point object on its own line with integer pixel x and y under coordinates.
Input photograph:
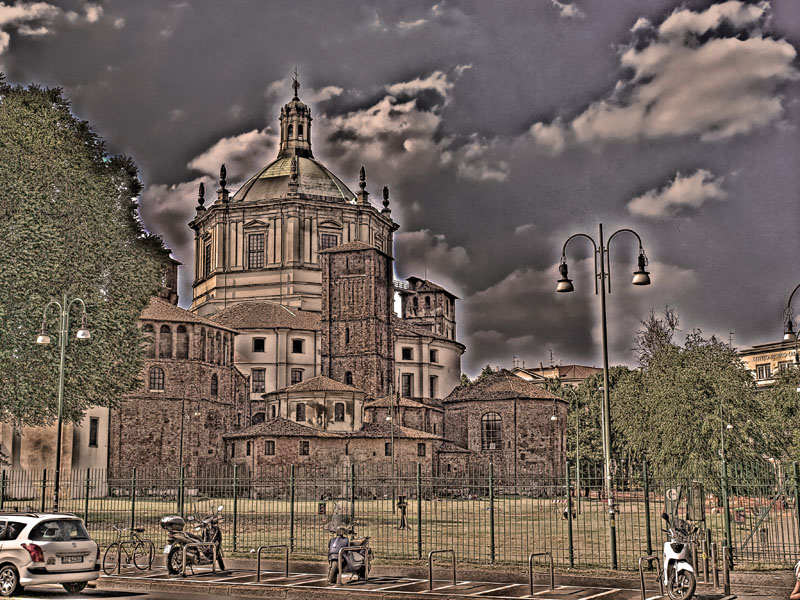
{"type": "Point", "coordinates": [314, 180]}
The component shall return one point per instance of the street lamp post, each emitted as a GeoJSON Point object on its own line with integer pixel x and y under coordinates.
{"type": "Point", "coordinates": [43, 338]}
{"type": "Point", "coordinates": [603, 276]}
{"type": "Point", "coordinates": [789, 334]}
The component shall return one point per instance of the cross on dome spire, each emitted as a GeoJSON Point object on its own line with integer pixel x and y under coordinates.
{"type": "Point", "coordinates": [295, 83]}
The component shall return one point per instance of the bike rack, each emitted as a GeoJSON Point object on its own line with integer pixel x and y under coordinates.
{"type": "Point", "coordinates": [430, 565]}
{"type": "Point", "coordinates": [649, 559]}
{"type": "Point", "coordinates": [258, 559]}
{"type": "Point", "coordinates": [366, 560]}
{"type": "Point", "coordinates": [133, 543]}
{"type": "Point", "coordinates": [199, 545]}
{"type": "Point", "coordinates": [530, 571]}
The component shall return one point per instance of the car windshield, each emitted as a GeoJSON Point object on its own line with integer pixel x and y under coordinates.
{"type": "Point", "coordinates": [61, 530]}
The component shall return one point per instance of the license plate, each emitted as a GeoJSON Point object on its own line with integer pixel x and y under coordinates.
{"type": "Point", "coordinates": [72, 559]}
{"type": "Point", "coordinates": [167, 548]}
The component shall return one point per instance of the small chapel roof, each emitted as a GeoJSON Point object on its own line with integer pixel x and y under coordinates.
{"type": "Point", "coordinates": [266, 315]}
{"type": "Point", "coordinates": [161, 310]}
{"type": "Point", "coordinates": [502, 385]}
{"type": "Point", "coordinates": [386, 402]}
{"type": "Point", "coordinates": [278, 427]}
{"type": "Point", "coordinates": [384, 431]}
{"type": "Point", "coordinates": [320, 383]}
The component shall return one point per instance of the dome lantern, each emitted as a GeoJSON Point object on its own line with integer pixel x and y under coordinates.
{"type": "Point", "coordinates": [295, 126]}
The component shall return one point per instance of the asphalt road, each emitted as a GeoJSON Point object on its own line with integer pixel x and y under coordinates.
{"type": "Point", "coordinates": [56, 592]}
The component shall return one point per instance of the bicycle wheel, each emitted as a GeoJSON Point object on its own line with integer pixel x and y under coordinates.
{"type": "Point", "coordinates": [143, 555]}
{"type": "Point", "coordinates": [111, 559]}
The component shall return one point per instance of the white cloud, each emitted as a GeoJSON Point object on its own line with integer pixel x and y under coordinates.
{"type": "Point", "coordinates": [477, 159]}
{"type": "Point", "coordinates": [281, 87]}
{"type": "Point", "coordinates": [689, 76]}
{"type": "Point", "coordinates": [426, 254]}
{"type": "Point", "coordinates": [25, 12]}
{"type": "Point", "coordinates": [5, 40]}
{"type": "Point", "coordinates": [407, 25]}
{"type": "Point", "coordinates": [36, 19]}
{"type": "Point", "coordinates": [93, 12]}
{"type": "Point", "coordinates": [242, 154]}
{"type": "Point", "coordinates": [119, 23]}
{"type": "Point", "coordinates": [32, 31]}
{"type": "Point", "coordinates": [524, 229]}
{"type": "Point", "coordinates": [437, 80]}
{"type": "Point", "coordinates": [682, 192]}
{"type": "Point", "coordinates": [568, 10]}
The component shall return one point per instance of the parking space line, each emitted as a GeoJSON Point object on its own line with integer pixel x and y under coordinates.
{"type": "Point", "coordinates": [397, 585]}
{"type": "Point", "coordinates": [304, 582]}
{"type": "Point", "coordinates": [451, 585]}
{"type": "Point", "coordinates": [558, 587]}
{"type": "Point", "coordinates": [502, 587]}
{"type": "Point", "coordinates": [602, 594]}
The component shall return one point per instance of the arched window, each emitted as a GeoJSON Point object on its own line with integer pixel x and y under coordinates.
{"type": "Point", "coordinates": [214, 384]}
{"type": "Point", "coordinates": [218, 348]}
{"type": "Point", "coordinates": [225, 351]}
{"type": "Point", "coordinates": [165, 342]}
{"type": "Point", "coordinates": [427, 301]}
{"type": "Point", "coordinates": [210, 355]}
{"type": "Point", "coordinates": [257, 418]}
{"type": "Point", "coordinates": [182, 343]}
{"type": "Point", "coordinates": [300, 413]}
{"type": "Point", "coordinates": [150, 343]}
{"type": "Point", "coordinates": [348, 378]}
{"type": "Point", "coordinates": [300, 131]}
{"type": "Point", "coordinates": [346, 335]}
{"type": "Point", "coordinates": [202, 344]}
{"type": "Point", "coordinates": [290, 131]}
{"type": "Point", "coordinates": [338, 411]}
{"type": "Point", "coordinates": [491, 432]}
{"type": "Point", "coordinates": [156, 379]}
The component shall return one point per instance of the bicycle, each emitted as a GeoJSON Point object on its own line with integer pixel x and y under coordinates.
{"type": "Point", "coordinates": [136, 550]}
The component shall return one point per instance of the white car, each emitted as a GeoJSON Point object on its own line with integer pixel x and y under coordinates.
{"type": "Point", "coordinates": [37, 548]}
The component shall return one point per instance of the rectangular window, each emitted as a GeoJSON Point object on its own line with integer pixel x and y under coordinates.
{"type": "Point", "coordinates": [763, 371]}
{"type": "Point", "coordinates": [233, 449]}
{"type": "Point", "coordinates": [258, 377]}
{"type": "Point", "coordinates": [297, 376]}
{"type": "Point", "coordinates": [407, 384]}
{"type": "Point", "coordinates": [297, 346]}
{"type": "Point", "coordinates": [273, 411]}
{"type": "Point", "coordinates": [258, 344]}
{"type": "Point", "coordinates": [328, 240]}
{"type": "Point", "coordinates": [255, 251]}
{"type": "Point", "coordinates": [407, 354]}
{"type": "Point", "coordinates": [248, 448]}
{"type": "Point", "coordinates": [420, 449]}
{"type": "Point", "coordinates": [303, 447]}
{"type": "Point", "coordinates": [269, 447]}
{"type": "Point", "coordinates": [432, 381]}
{"type": "Point", "coordinates": [784, 366]}
{"type": "Point", "coordinates": [387, 449]}
{"type": "Point", "coordinates": [207, 260]}
{"type": "Point", "coordinates": [434, 356]}
{"type": "Point", "coordinates": [94, 423]}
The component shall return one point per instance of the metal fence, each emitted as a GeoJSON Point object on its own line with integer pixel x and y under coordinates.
{"type": "Point", "coordinates": [484, 516]}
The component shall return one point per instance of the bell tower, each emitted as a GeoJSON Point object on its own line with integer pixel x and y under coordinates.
{"type": "Point", "coordinates": [295, 126]}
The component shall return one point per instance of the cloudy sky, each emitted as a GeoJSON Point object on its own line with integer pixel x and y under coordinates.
{"type": "Point", "coordinates": [501, 129]}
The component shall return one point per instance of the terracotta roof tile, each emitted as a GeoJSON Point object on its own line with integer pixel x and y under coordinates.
{"type": "Point", "coordinates": [402, 402]}
{"type": "Point", "coordinates": [384, 430]}
{"type": "Point", "coordinates": [423, 285]}
{"type": "Point", "coordinates": [450, 447]}
{"type": "Point", "coordinates": [501, 386]}
{"type": "Point", "coordinates": [265, 315]}
{"type": "Point", "coordinates": [161, 310]}
{"type": "Point", "coordinates": [280, 427]}
{"type": "Point", "coordinates": [320, 383]}
{"type": "Point", "coordinates": [402, 327]}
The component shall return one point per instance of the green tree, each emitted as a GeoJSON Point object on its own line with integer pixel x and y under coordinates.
{"type": "Point", "coordinates": [781, 405]}
{"type": "Point", "coordinates": [674, 411]}
{"type": "Point", "coordinates": [68, 225]}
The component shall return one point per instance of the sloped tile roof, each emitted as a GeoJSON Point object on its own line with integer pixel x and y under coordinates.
{"type": "Point", "coordinates": [450, 447]}
{"type": "Point", "coordinates": [400, 402]}
{"type": "Point", "coordinates": [320, 383]}
{"type": "Point", "coordinates": [161, 310]}
{"type": "Point", "coordinates": [402, 327]}
{"type": "Point", "coordinates": [266, 315]}
{"type": "Point", "coordinates": [423, 285]}
{"type": "Point", "coordinates": [577, 371]}
{"type": "Point", "coordinates": [350, 246]}
{"type": "Point", "coordinates": [384, 430]}
{"type": "Point", "coordinates": [500, 386]}
{"type": "Point", "coordinates": [280, 427]}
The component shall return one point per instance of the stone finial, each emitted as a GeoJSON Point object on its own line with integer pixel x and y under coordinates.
{"type": "Point", "coordinates": [222, 192]}
{"type": "Point", "coordinates": [386, 210]}
{"type": "Point", "coordinates": [201, 197]}
{"type": "Point", "coordinates": [363, 194]}
{"type": "Point", "coordinates": [295, 83]}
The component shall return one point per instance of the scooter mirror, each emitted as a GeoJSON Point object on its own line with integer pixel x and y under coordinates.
{"type": "Point", "coordinates": [219, 508]}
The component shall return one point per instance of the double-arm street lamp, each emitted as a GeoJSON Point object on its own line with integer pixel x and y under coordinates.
{"type": "Point", "coordinates": [603, 280]}
{"type": "Point", "coordinates": [63, 309]}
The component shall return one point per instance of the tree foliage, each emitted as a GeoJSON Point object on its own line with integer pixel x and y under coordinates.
{"type": "Point", "coordinates": [674, 412]}
{"type": "Point", "coordinates": [781, 405]}
{"type": "Point", "coordinates": [68, 225]}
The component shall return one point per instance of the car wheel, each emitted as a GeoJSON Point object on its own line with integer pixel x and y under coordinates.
{"type": "Point", "coordinates": [76, 587]}
{"type": "Point", "coordinates": [9, 581]}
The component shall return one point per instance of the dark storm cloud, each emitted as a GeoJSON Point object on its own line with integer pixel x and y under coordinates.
{"type": "Point", "coordinates": [500, 128]}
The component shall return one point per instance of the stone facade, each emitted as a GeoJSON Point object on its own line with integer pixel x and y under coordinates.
{"type": "Point", "coordinates": [429, 306]}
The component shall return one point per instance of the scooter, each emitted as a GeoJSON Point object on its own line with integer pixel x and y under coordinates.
{"type": "Point", "coordinates": [353, 561]}
{"type": "Point", "coordinates": [678, 574]}
{"type": "Point", "coordinates": [178, 540]}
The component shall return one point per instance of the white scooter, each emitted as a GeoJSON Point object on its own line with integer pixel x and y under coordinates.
{"type": "Point", "coordinates": [678, 574]}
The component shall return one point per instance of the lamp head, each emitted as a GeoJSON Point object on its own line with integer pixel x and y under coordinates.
{"type": "Point", "coordinates": [83, 332]}
{"type": "Point", "coordinates": [640, 276]}
{"type": "Point", "coordinates": [788, 334]}
{"type": "Point", "coordinates": [553, 418]}
{"type": "Point", "coordinates": [564, 284]}
{"type": "Point", "coordinates": [43, 338]}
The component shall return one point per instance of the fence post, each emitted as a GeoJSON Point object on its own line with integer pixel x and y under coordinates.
{"type": "Point", "coordinates": [726, 515]}
{"type": "Point", "coordinates": [235, 502]}
{"type": "Point", "coordinates": [86, 500]}
{"type": "Point", "coordinates": [646, 483]}
{"type": "Point", "coordinates": [181, 484]}
{"type": "Point", "coordinates": [44, 487]}
{"type": "Point", "coordinates": [491, 512]}
{"type": "Point", "coordinates": [352, 493]}
{"type": "Point", "coordinates": [291, 508]}
{"type": "Point", "coordinates": [3, 490]}
{"type": "Point", "coordinates": [796, 495]}
{"type": "Point", "coordinates": [419, 511]}
{"type": "Point", "coordinates": [133, 499]}
{"type": "Point", "coordinates": [569, 520]}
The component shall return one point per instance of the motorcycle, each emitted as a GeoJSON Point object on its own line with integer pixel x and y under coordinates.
{"type": "Point", "coordinates": [353, 561]}
{"type": "Point", "coordinates": [177, 540]}
{"type": "Point", "coordinates": [678, 574]}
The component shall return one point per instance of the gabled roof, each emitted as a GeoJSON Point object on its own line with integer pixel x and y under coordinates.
{"type": "Point", "coordinates": [280, 427]}
{"type": "Point", "coordinates": [320, 383]}
{"type": "Point", "coordinates": [399, 402]}
{"type": "Point", "coordinates": [402, 327]}
{"type": "Point", "coordinates": [451, 447]}
{"type": "Point", "coordinates": [384, 430]}
{"type": "Point", "coordinates": [502, 385]}
{"type": "Point", "coordinates": [161, 310]}
{"type": "Point", "coordinates": [266, 315]}
{"type": "Point", "coordinates": [418, 284]}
